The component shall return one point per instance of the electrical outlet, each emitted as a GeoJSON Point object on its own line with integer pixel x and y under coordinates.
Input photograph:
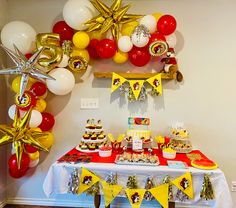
{"type": "Point", "coordinates": [233, 186]}
{"type": "Point", "coordinates": [89, 103]}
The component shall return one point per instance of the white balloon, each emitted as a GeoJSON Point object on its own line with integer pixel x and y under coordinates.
{"type": "Point", "coordinates": [13, 149]}
{"type": "Point", "coordinates": [33, 163]}
{"type": "Point", "coordinates": [11, 111]}
{"type": "Point", "coordinates": [77, 12]}
{"type": "Point", "coordinates": [139, 40]}
{"type": "Point", "coordinates": [36, 119]}
{"type": "Point", "coordinates": [125, 44]}
{"type": "Point", "coordinates": [64, 81]}
{"type": "Point", "coordinates": [171, 40]}
{"type": "Point", "coordinates": [64, 61]}
{"type": "Point", "coordinates": [150, 22]}
{"type": "Point", "coordinates": [19, 33]}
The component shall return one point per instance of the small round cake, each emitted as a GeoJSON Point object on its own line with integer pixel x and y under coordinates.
{"type": "Point", "coordinates": [86, 136]}
{"type": "Point", "coordinates": [93, 137]}
{"type": "Point", "coordinates": [92, 146]}
{"type": "Point", "coordinates": [84, 147]}
{"type": "Point", "coordinates": [169, 153]}
{"type": "Point", "coordinates": [105, 151]}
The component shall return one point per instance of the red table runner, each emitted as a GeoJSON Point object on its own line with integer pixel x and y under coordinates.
{"type": "Point", "coordinates": [73, 155]}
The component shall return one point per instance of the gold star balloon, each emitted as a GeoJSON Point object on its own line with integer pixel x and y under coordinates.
{"type": "Point", "coordinates": [27, 68]}
{"type": "Point", "coordinates": [110, 18]}
{"type": "Point", "coordinates": [20, 133]}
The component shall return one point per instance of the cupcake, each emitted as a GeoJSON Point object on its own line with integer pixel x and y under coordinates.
{"type": "Point", "coordinates": [92, 146]}
{"type": "Point", "coordinates": [84, 147]}
{"type": "Point", "coordinates": [99, 124]}
{"type": "Point", "coordinates": [86, 136]}
{"type": "Point", "coordinates": [101, 136]}
{"type": "Point", "coordinates": [93, 137]}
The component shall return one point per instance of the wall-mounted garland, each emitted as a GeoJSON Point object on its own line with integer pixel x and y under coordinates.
{"type": "Point", "coordinates": [90, 30]}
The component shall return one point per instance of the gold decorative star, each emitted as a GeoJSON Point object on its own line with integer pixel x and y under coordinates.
{"type": "Point", "coordinates": [20, 134]}
{"type": "Point", "coordinates": [27, 68]}
{"type": "Point", "coordinates": [110, 18]}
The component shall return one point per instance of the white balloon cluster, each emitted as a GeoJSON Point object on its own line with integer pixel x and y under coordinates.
{"type": "Point", "coordinates": [141, 34]}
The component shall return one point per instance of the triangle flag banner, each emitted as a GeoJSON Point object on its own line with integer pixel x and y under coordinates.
{"type": "Point", "coordinates": [110, 192]}
{"type": "Point", "coordinates": [135, 197]}
{"type": "Point", "coordinates": [117, 81]}
{"type": "Point", "coordinates": [185, 184]}
{"type": "Point", "coordinates": [156, 83]}
{"type": "Point", "coordinates": [136, 86]}
{"type": "Point", "coordinates": [161, 194]}
{"type": "Point", "coordinates": [87, 179]}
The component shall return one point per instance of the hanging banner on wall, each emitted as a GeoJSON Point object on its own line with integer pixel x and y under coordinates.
{"type": "Point", "coordinates": [135, 197]}
{"type": "Point", "coordinates": [155, 82]}
{"type": "Point", "coordinates": [117, 81]}
{"type": "Point", "coordinates": [87, 180]}
{"type": "Point", "coordinates": [185, 184]}
{"type": "Point", "coordinates": [110, 192]}
{"type": "Point", "coordinates": [136, 86]}
{"type": "Point", "coordinates": [160, 193]}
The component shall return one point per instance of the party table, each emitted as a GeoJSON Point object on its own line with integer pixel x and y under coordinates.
{"type": "Point", "coordinates": [59, 173]}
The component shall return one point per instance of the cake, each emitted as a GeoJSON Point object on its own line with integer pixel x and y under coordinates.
{"type": "Point", "coordinates": [169, 153]}
{"type": "Point", "coordinates": [105, 151]}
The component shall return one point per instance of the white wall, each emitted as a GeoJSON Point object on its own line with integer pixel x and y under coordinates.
{"type": "Point", "coordinates": [3, 102]}
{"type": "Point", "coordinates": [205, 101]}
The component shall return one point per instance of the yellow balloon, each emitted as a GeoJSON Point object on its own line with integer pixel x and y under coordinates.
{"type": "Point", "coordinates": [34, 156]}
{"type": "Point", "coordinates": [48, 141]}
{"type": "Point", "coordinates": [157, 15]}
{"type": "Point", "coordinates": [96, 35]}
{"type": "Point", "coordinates": [81, 40]}
{"type": "Point", "coordinates": [15, 85]}
{"type": "Point", "coordinates": [81, 52]}
{"type": "Point", "coordinates": [120, 57]}
{"type": "Point", "coordinates": [36, 129]}
{"type": "Point", "coordinates": [128, 28]}
{"type": "Point", "coordinates": [40, 105]}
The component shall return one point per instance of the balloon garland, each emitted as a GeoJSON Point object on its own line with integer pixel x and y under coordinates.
{"type": "Point", "coordinates": [46, 61]}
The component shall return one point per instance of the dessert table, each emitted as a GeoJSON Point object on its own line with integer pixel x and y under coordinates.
{"type": "Point", "coordinates": [56, 181]}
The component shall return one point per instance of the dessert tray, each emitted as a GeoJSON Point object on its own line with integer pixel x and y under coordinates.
{"type": "Point", "coordinates": [137, 159]}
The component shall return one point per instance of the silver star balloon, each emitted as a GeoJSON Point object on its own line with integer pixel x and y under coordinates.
{"type": "Point", "coordinates": [26, 68]}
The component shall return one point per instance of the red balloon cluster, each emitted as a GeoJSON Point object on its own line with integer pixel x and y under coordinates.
{"type": "Point", "coordinates": [24, 165]}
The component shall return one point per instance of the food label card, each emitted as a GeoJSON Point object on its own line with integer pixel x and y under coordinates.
{"type": "Point", "coordinates": [137, 144]}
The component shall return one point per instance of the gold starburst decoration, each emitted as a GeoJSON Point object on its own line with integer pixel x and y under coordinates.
{"type": "Point", "coordinates": [20, 133]}
{"type": "Point", "coordinates": [110, 18]}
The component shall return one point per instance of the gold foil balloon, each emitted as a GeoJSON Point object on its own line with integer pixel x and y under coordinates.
{"type": "Point", "coordinates": [110, 18]}
{"type": "Point", "coordinates": [52, 53]}
{"type": "Point", "coordinates": [20, 133]}
{"type": "Point", "coordinates": [78, 64]}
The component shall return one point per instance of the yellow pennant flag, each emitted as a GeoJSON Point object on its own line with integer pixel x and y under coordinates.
{"type": "Point", "coordinates": [156, 83]}
{"type": "Point", "coordinates": [87, 179]}
{"type": "Point", "coordinates": [185, 184]}
{"type": "Point", "coordinates": [161, 194]}
{"type": "Point", "coordinates": [136, 86]}
{"type": "Point", "coordinates": [135, 197]}
{"type": "Point", "coordinates": [110, 192]}
{"type": "Point", "coordinates": [117, 81]}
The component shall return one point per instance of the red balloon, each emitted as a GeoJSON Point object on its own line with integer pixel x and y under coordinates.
{"type": "Point", "coordinates": [155, 37]}
{"type": "Point", "coordinates": [47, 122]}
{"type": "Point", "coordinates": [139, 56]}
{"type": "Point", "coordinates": [38, 89]}
{"type": "Point", "coordinates": [30, 149]}
{"type": "Point", "coordinates": [92, 49]}
{"type": "Point", "coordinates": [64, 30]}
{"type": "Point", "coordinates": [106, 48]}
{"type": "Point", "coordinates": [166, 24]}
{"type": "Point", "coordinates": [24, 165]}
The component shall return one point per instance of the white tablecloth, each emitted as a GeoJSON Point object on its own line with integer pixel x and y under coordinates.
{"type": "Point", "coordinates": [58, 176]}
